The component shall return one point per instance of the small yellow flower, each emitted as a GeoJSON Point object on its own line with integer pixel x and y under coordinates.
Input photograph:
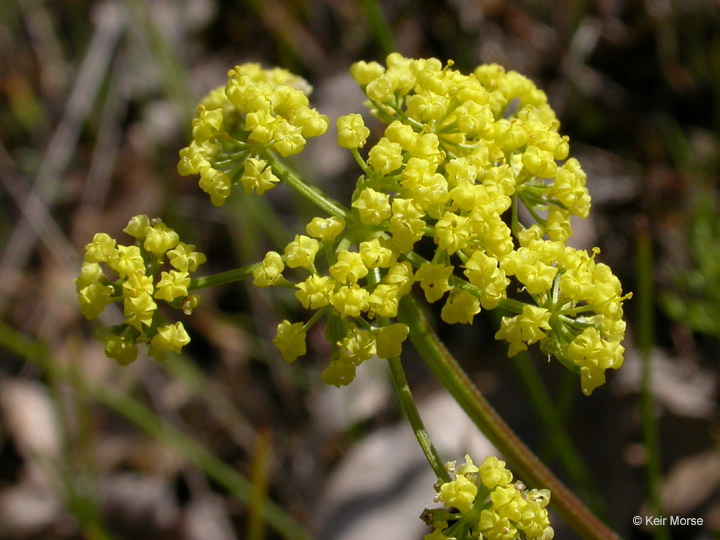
{"type": "Point", "coordinates": [508, 502]}
{"type": "Point", "coordinates": [539, 162]}
{"type": "Point", "coordinates": [461, 307]}
{"type": "Point", "coordinates": [350, 301]}
{"type": "Point", "coordinates": [401, 134]}
{"type": "Point", "coordinates": [172, 285]}
{"type": "Point", "coordinates": [290, 340]}
{"type": "Point", "coordinates": [159, 238]}
{"type": "Point", "coordinates": [357, 347]}
{"type": "Point", "coordinates": [193, 159]}
{"type": "Point", "coordinates": [258, 177]}
{"type": "Point", "coordinates": [89, 273]}
{"type": "Point", "coordinates": [315, 291]}
{"type": "Point", "coordinates": [401, 275]}
{"type": "Point", "coordinates": [376, 255]}
{"type": "Point", "coordinates": [169, 338]}
{"type": "Point", "coordinates": [137, 226]}
{"type": "Point", "coordinates": [138, 283]}
{"type": "Point", "coordinates": [310, 121]}
{"type": "Point", "coordinates": [270, 271]}
{"type": "Point", "coordinates": [524, 329]}
{"type": "Point", "coordinates": [593, 355]}
{"type": "Point", "coordinates": [338, 373]}
{"type": "Point", "coordinates": [385, 156]}
{"type": "Point", "coordinates": [325, 230]}
{"type": "Point", "coordinates": [184, 257]}
{"type": "Point", "coordinates": [366, 72]}
{"type": "Point", "coordinates": [215, 183]}
{"type": "Point", "coordinates": [352, 132]}
{"type": "Point", "coordinates": [101, 249]}
{"type": "Point", "coordinates": [496, 527]}
{"type": "Point", "coordinates": [288, 139]}
{"type": "Point", "coordinates": [126, 260]}
{"type": "Point", "coordinates": [372, 206]}
{"type": "Point", "coordinates": [93, 298]}
{"type": "Point", "coordinates": [406, 225]}
{"type": "Point", "coordinates": [122, 350]}
{"type": "Point", "coordinates": [389, 339]}
{"type": "Point", "coordinates": [207, 124]}
{"type": "Point", "coordinates": [435, 535]}
{"type": "Point", "coordinates": [300, 253]}
{"type": "Point", "coordinates": [493, 473]}
{"type": "Point", "coordinates": [349, 267]}
{"type": "Point", "coordinates": [384, 300]}
{"type": "Point", "coordinates": [452, 232]}
{"type": "Point", "coordinates": [433, 279]}
{"type": "Point", "coordinates": [460, 493]}
{"type": "Point", "coordinates": [139, 310]}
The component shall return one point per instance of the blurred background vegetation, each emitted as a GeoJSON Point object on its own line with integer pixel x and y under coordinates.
{"type": "Point", "coordinates": [95, 102]}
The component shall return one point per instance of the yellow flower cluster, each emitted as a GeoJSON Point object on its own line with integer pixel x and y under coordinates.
{"type": "Point", "coordinates": [458, 157]}
{"type": "Point", "coordinates": [237, 126]}
{"type": "Point", "coordinates": [142, 278]}
{"type": "Point", "coordinates": [360, 286]}
{"type": "Point", "coordinates": [489, 505]}
{"type": "Point", "coordinates": [579, 312]}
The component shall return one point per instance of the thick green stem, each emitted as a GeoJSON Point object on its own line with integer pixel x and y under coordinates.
{"type": "Point", "coordinates": [521, 459]}
{"type": "Point", "coordinates": [408, 405]}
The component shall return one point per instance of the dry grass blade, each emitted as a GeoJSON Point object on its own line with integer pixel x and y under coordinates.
{"type": "Point", "coordinates": [35, 212]}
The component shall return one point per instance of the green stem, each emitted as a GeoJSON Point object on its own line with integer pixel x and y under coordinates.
{"type": "Point", "coordinates": [311, 193]}
{"type": "Point", "coordinates": [384, 116]}
{"type": "Point", "coordinates": [408, 405]}
{"type": "Point", "coordinates": [319, 314]}
{"type": "Point", "coordinates": [530, 209]}
{"type": "Point", "coordinates": [515, 226]}
{"type": "Point", "coordinates": [361, 162]}
{"type": "Point", "coordinates": [645, 296]}
{"type": "Point", "coordinates": [237, 274]}
{"type": "Point", "coordinates": [520, 457]}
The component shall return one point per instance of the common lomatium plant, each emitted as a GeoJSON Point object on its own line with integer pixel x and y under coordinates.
{"type": "Point", "coordinates": [459, 156]}
{"type": "Point", "coordinates": [472, 170]}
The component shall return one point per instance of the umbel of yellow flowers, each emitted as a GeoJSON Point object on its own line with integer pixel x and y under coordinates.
{"type": "Point", "coordinates": [460, 154]}
{"type": "Point", "coordinates": [483, 502]}
{"type": "Point", "coordinates": [257, 110]}
{"type": "Point", "coordinates": [156, 268]}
